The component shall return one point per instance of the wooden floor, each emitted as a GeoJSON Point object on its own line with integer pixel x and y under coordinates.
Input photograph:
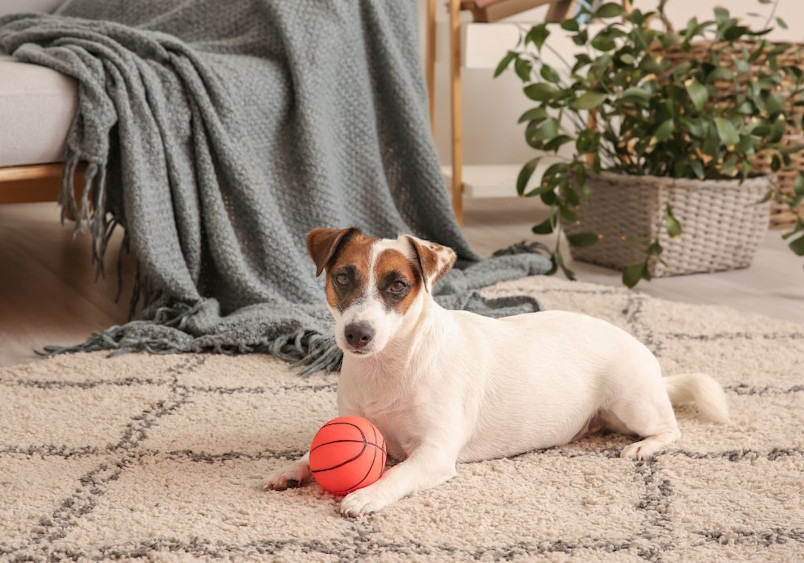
{"type": "Point", "coordinates": [47, 294]}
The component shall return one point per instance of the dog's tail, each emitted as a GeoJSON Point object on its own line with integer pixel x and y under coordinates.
{"type": "Point", "coordinates": [702, 391]}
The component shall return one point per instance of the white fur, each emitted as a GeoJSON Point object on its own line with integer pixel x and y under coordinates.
{"type": "Point", "coordinates": [452, 386]}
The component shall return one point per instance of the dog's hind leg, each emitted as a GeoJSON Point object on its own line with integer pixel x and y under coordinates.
{"type": "Point", "coordinates": [652, 418]}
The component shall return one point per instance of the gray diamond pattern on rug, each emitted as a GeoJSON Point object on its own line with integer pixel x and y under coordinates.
{"type": "Point", "coordinates": [162, 457]}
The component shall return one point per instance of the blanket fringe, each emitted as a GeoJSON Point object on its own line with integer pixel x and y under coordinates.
{"type": "Point", "coordinates": [307, 349]}
{"type": "Point", "coordinates": [524, 247]}
{"type": "Point", "coordinates": [91, 212]}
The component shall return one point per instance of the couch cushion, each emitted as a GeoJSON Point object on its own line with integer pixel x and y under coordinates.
{"type": "Point", "coordinates": [37, 106]}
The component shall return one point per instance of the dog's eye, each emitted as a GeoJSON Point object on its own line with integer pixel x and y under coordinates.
{"type": "Point", "coordinates": [342, 279]}
{"type": "Point", "coordinates": [397, 287]}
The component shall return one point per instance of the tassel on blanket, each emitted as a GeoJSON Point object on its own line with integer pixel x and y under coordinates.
{"type": "Point", "coordinates": [163, 334]}
{"type": "Point", "coordinates": [524, 247]}
{"type": "Point", "coordinates": [309, 349]}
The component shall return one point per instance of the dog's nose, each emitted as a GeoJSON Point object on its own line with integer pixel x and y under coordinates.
{"type": "Point", "coordinates": [359, 334]}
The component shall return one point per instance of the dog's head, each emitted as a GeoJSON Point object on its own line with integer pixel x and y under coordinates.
{"type": "Point", "coordinates": [374, 285]}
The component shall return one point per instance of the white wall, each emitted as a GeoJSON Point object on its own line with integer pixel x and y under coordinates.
{"type": "Point", "coordinates": [26, 6]}
{"type": "Point", "coordinates": [492, 106]}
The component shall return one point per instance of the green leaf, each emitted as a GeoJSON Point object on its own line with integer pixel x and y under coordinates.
{"type": "Point", "coordinates": [549, 74]}
{"type": "Point", "coordinates": [581, 37]}
{"type": "Point", "coordinates": [610, 10]}
{"type": "Point", "coordinates": [537, 35]}
{"type": "Point", "coordinates": [694, 127]}
{"type": "Point", "coordinates": [543, 228]}
{"type": "Point", "coordinates": [781, 23]}
{"type": "Point", "coordinates": [522, 68]}
{"type": "Point", "coordinates": [697, 168]}
{"type": "Point", "coordinates": [635, 92]}
{"type": "Point", "coordinates": [735, 32]}
{"type": "Point", "coordinates": [570, 25]}
{"type": "Point", "coordinates": [547, 129]}
{"type": "Point", "coordinates": [697, 92]}
{"type": "Point", "coordinates": [774, 104]}
{"type": "Point", "coordinates": [777, 130]}
{"type": "Point", "coordinates": [603, 42]}
{"type": "Point", "coordinates": [776, 163]}
{"type": "Point", "coordinates": [627, 58]}
{"type": "Point", "coordinates": [570, 195]}
{"type": "Point", "coordinates": [587, 142]}
{"type": "Point", "coordinates": [525, 173]}
{"type": "Point", "coordinates": [719, 73]}
{"type": "Point", "coordinates": [797, 246]}
{"type": "Point", "coordinates": [581, 181]}
{"type": "Point", "coordinates": [535, 114]}
{"type": "Point", "coordinates": [672, 224]}
{"type": "Point", "coordinates": [664, 130]}
{"type": "Point", "coordinates": [730, 165]}
{"type": "Point", "coordinates": [798, 191]}
{"type": "Point", "coordinates": [798, 184]}
{"type": "Point", "coordinates": [692, 29]}
{"type": "Point", "coordinates": [541, 190]}
{"type": "Point", "coordinates": [632, 274]}
{"type": "Point", "coordinates": [506, 60]}
{"type": "Point", "coordinates": [580, 240]}
{"type": "Point", "coordinates": [588, 100]}
{"type": "Point", "coordinates": [721, 13]}
{"type": "Point", "coordinates": [567, 213]}
{"type": "Point", "coordinates": [766, 197]}
{"type": "Point", "coordinates": [557, 142]}
{"type": "Point", "coordinates": [655, 249]}
{"type": "Point", "coordinates": [727, 132]}
{"type": "Point", "coordinates": [541, 91]}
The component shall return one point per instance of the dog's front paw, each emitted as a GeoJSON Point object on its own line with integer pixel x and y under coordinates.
{"type": "Point", "coordinates": [294, 475]}
{"type": "Point", "coordinates": [363, 501]}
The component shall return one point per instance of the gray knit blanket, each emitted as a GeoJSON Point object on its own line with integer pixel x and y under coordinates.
{"type": "Point", "coordinates": [218, 133]}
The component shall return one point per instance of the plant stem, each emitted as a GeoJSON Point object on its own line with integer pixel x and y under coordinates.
{"type": "Point", "coordinates": [773, 13]}
{"type": "Point", "coordinates": [559, 55]}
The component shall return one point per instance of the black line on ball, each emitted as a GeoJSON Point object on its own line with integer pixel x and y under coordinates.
{"type": "Point", "coordinates": [346, 441]}
{"type": "Point", "coordinates": [364, 442]}
{"type": "Point", "coordinates": [374, 428]}
{"type": "Point", "coordinates": [373, 461]}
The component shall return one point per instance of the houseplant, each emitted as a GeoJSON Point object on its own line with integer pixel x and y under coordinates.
{"type": "Point", "coordinates": [658, 120]}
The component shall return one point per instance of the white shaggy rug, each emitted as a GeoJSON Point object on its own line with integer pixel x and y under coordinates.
{"type": "Point", "coordinates": [162, 458]}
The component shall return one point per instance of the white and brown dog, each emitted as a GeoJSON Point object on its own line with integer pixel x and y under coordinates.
{"type": "Point", "coordinates": [452, 386]}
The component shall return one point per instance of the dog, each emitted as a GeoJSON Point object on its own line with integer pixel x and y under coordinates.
{"type": "Point", "coordinates": [452, 386]}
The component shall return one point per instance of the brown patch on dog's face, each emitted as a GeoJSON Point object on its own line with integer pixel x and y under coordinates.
{"type": "Point", "coordinates": [397, 280]}
{"type": "Point", "coordinates": [348, 273]}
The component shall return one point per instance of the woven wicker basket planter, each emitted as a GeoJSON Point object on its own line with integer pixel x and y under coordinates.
{"type": "Point", "coordinates": [727, 55]}
{"type": "Point", "coordinates": [721, 222]}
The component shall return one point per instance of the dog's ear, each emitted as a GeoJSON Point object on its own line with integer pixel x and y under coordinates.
{"type": "Point", "coordinates": [434, 260]}
{"type": "Point", "coordinates": [322, 244]}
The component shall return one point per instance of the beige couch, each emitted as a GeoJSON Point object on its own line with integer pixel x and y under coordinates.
{"type": "Point", "coordinates": [37, 106]}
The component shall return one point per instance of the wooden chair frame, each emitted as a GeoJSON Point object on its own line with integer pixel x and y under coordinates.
{"type": "Point", "coordinates": [557, 12]}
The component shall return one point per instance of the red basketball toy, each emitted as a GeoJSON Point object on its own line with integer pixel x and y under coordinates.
{"type": "Point", "coordinates": [347, 454]}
